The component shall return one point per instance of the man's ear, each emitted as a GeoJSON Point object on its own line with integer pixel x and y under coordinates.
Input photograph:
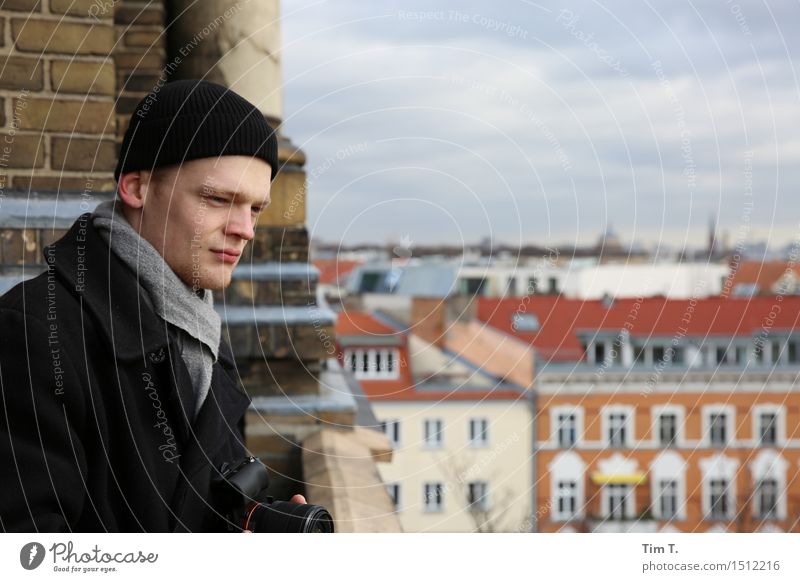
{"type": "Point", "coordinates": [132, 188]}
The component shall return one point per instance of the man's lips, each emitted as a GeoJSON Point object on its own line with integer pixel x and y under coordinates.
{"type": "Point", "coordinates": [227, 255]}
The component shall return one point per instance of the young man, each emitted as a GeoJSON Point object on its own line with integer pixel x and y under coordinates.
{"type": "Point", "coordinates": [119, 400]}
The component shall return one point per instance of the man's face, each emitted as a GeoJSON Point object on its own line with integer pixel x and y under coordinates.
{"type": "Point", "coordinates": [201, 214]}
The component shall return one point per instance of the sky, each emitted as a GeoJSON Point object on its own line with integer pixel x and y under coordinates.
{"type": "Point", "coordinates": [544, 123]}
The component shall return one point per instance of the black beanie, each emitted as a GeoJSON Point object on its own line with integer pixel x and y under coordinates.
{"type": "Point", "coordinates": [191, 119]}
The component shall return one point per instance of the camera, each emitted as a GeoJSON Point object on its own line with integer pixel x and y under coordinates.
{"type": "Point", "coordinates": [237, 489]}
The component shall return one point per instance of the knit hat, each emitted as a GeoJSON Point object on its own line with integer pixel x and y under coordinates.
{"type": "Point", "coordinates": [191, 119]}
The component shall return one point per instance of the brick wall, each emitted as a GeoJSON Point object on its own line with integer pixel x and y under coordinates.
{"type": "Point", "coordinates": [57, 93]}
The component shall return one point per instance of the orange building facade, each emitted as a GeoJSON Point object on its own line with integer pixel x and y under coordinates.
{"type": "Point", "coordinates": [678, 415]}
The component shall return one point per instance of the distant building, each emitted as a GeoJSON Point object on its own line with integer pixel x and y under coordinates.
{"type": "Point", "coordinates": [763, 278]}
{"type": "Point", "coordinates": [462, 436]}
{"type": "Point", "coordinates": [663, 415]}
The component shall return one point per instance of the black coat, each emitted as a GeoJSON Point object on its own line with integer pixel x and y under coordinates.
{"type": "Point", "coordinates": [96, 428]}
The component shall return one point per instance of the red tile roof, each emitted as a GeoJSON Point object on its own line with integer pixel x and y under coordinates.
{"type": "Point", "coordinates": [561, 319]}
{"type": "Point", "coordinates": [764, 275]}
{"type": "Point", "coordinates": [351, 322]}
{"type": "Point", "coordinates": [404, 388]}
{"type": "Point", "coordinates": [331, 271]}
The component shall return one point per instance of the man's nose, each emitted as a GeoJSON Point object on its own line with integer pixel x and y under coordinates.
{"type": "Point", "coordinates": [241, 223]}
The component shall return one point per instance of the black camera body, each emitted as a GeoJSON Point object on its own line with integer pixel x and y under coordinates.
{"type": "Point", "coordinates": [237, 490]}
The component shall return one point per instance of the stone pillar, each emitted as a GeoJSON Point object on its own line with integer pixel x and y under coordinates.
{"type": "Point", "coordinates": [236, 43]}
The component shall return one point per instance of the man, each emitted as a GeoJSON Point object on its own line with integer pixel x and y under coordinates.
{"type": "Point", "coordinates": [120, 401]}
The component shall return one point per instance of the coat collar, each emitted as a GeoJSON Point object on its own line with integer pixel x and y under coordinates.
{"type": "Point", "coordinates": [111, 292]}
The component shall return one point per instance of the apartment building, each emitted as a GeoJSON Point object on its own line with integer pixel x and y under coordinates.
{"type": "Point", "coordinates": [461, 435]}
{"type": "Point", "coordinates": [658, 414]}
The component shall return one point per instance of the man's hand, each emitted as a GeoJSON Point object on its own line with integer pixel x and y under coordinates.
{"type": "Point", "coordinates": [298, 499]}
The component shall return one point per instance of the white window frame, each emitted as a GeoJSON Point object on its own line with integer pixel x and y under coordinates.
{"type": "Point", "coordinates": [372, 372]}
{"type": "Point", "coordinates": [483, 440]}
{"type": "Point", "coordinates": [657, 509]}
{"type": "Point", "coordinates": [628, 504]}
{"type": "Point", "coordinates": [780, 423]}
{"type": "Point", "coordinates": [427, 495]}
{"type": "Point", "coordinates": [729, 498]}
{"type": "Point", "coordinates": [484, 503]}
{"type": "Point", "coordinates": [396, 437]}
{"type": "Point", "coordinates": [557, 411]}
{"type": "Point", "coordinates": [630, 422]}
{"type": "Point", "coordinates": [730, 422]}
{"type": "Point", "coordinates": [558, 512]}
{"type": "Point", "coordinates": [759, 508]}
{"type": "Point", "coordinates": [660, 410]}
{"type": "Point", "coordinates": [432, 439]}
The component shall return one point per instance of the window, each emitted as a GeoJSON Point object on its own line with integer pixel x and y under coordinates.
{"type": "Point", "coordinates": [717, 430]}
{"type": "Point", "coordinates": [567, 499]}
{"type": "Point", "coordinates": [533, 285]}
{"type": "Point", "coordinates": [718, 499]}
{"type": "Point", "coordinates": [723, 355]}
{"type": "Point", "coordinates": [433, 433]}
{"type": "Point", "coordinates": [434, 497]}
{"type": "Point", "coordinates": [391, 428]}
{"type": "Point", "coordinates": [567, 430]}
{"type": "Point", "coordinates": [767, 498]}
{"type": "Point", "coordinates": [473, 285]}
{"type": "Point", "coordinates": [617, 495]}
{"type": "Point", "coordinates": [776, 352]}
{"type": "Point", "coordinates": [552, 287]}
{"type": "Point", "coordinates": [525, 322]}
{"type": "Point", "coordinates": [741, 355]}
{"type": "Point", "coordinates": [478, 495]}
{"type": "Point", "coordinates": [658, 354]}
{"type": "Point", "coordinates": [793, 352]}
{"type": "Point", "coordinates": [372, 364]}
{"type": "Point", "coordinates": [638, 355]}
{"type": "Point", "coordinates": [478, 432]}
{"type": "Point", "coordinates": [768, 429]}
{"type": "Point", "coordinates": [667, 499]}
{"type": "Point", "coordinates": [394, 492]}
{"type": "Point", "coordinates": [667, 429]}
{"type": "Point", "coordinates": [677, 355]}
{"type": "Point", "coordinates": [616, 429]}
{"type": "Point", "coordinates": [599, 352]}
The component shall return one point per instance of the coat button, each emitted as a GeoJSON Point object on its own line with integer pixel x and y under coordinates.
{"type": "Point", "coordinates": [157, 356]}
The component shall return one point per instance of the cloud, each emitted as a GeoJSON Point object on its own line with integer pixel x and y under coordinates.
{"type": "Point", "coordinates": [558, 118]}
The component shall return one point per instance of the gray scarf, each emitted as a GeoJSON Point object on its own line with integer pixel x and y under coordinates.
{"type": "Point", "coordinates": [198, 325]}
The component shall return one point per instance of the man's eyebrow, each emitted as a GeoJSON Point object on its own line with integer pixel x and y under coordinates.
{"type": "Point", "coordinates": [213, 190]}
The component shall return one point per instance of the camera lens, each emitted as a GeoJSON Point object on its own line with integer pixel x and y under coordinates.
{"type": "Point", "coordinates": [286, 517]}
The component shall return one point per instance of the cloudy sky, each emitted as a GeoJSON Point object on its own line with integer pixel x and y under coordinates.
{"type": "Point", "coordinates": [542, 123]}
